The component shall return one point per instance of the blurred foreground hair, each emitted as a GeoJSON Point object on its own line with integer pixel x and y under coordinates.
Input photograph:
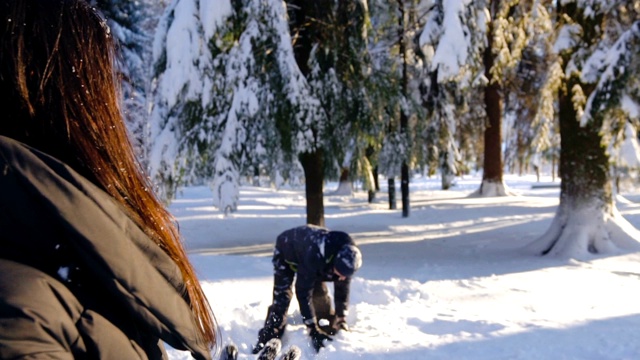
{"type": "Point", "coordinates": [61, 95]}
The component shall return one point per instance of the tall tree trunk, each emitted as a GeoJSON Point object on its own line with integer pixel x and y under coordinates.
{"type": "Point", "coordinates": [313, 165]}
{"type": "Point", "coordinates": [492, 184]}
{"type": "Point", "coordinates": [392, 193]}
{"type": "Point", "coordinates": [344, 183]}
{"type": "Point", "coordinates": [553, 167]}
{"type": "Point", "coordinates": [404, 118]}
{"type": "Point", "coordinates": [404, 189]}
{"type": "Point", "coordinates": [301, 14]}
{"type": "Point", "coordinates": [376, 180]}
{"type": "Point", "coordinates": [586, 221]}
{"type": "Point", "coordinates": [256, 176]}
{"type": "Point", "coordinates": [584, 163]}
{"type": "Point", "coordinates": [374, 186]}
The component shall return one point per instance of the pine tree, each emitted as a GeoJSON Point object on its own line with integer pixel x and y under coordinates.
{"type": "Point", "coordinates": [396, 25]}
{"type": "Point", "coordinates": [329, 47]}
{"type": "Point", "coordinates": [595, 42]}
{"type": "Point", "coordinates": [451, 46]}
{"type": "Point", "coordinates": [530, 89]}
{"type": "Point", "coordinates": [506, 39]}
{"type": "Point", "coordinates": [384, 149]}
{"type": "Point", "coordinates": [179, 123]}
{"type": "Point", "coordinates": [226, 84]}
{"type": "Point", "coordinates": [132, 23]}
{"type": "Point", "coordinates": [407, 27]}
{"type": "Point", "coordinates": [265, 83]}
{"type": "Point", "coordinates": [492, 36]}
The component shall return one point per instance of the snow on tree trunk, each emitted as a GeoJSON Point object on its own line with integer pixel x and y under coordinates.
{"type": "Point", "coordinates": [344, 184]}
{"type": "Point", "coordinates": [447, 178]}
{"type": "Point", "coordinates": [583, 228]}
{"type": "Point", "coordinates": [226, 176]}
{"type": "Point", "coordinates": [489, 188]}
{"type": "Point", "coordinates": [225, 190]}
{"type": "Point", "coordinates": [392, 193]}
{"type": "Point", "coordinates": [587, 221]}
{"type": "Point", "coordinates": [369, 178]}
{"type": "Point", "coordinates": [627, 158]}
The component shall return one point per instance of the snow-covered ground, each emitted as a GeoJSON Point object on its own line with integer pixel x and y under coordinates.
{"type": "Point", "coordinates": [451, 281]}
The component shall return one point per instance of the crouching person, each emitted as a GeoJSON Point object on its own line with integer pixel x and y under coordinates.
{"type": "Point", "coordinates": [311, 255]}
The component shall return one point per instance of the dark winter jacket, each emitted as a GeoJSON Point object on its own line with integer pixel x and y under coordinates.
{"type": "Point", "coordinates": [78, 278]}
{"type": "Point", "coordinates": [310, 251]}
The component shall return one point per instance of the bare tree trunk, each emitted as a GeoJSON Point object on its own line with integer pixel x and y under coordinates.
{"type": "Point", "coordinates": [553, 167]}
{"type": "Point", "coordinates": [404, 189]}
{"type": "Point", "coordinates": [392, 193]}
{"type": "Point", "coordinates": [344, 184]}
{"type": "Point", "coordinates": [376, 180]}
{"type": "Point", "coordinates": [492, 183]}
{"type": "Point", "coordinates": [313, 165]}
{"type": "Point", "coordinates": [303, 36]}
{"type": "Point", "coordinates": [404, 119]}
{"type": "Point", "coordinates": [493, 131]}
{"type": "Point", "coordinates": [256, 176]}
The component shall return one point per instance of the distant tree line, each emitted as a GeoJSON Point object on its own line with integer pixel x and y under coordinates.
{"type": "Point", "coordinates": [358, 89]}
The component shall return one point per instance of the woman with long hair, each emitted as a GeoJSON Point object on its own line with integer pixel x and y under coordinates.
{"type": "Point", "coordinates": [91, 262]}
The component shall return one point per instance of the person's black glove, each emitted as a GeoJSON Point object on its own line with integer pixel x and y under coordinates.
{"type": "Point", "coordinates": [318, 337]}
{"type": "Point", "coordinates": [256, 349]}
{"type": "Point", "coordinates": [340, 324]}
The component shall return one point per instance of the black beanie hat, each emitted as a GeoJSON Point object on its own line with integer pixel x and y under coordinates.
{"type": "Point", "coordinates": [348, 260]}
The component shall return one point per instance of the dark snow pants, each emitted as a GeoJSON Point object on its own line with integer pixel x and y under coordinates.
{"type": "Point", "coordinates": [276, 320]}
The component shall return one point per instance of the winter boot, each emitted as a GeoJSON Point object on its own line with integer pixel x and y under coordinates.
{"type": "Point", "coordinates": [274, 326]}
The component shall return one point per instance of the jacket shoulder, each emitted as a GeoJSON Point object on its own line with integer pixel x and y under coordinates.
{"type": "Point", "coordinates": [38, 315]}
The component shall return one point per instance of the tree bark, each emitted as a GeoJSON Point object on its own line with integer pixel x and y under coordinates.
{"type": "Point", "coordinates": [344, 183]}
{"type": "Point", "coordinates": [313, 165]}
{"type": "Point", "coordinates": [303, 17]}
{"type": "Point", "coordinates": [344, 175]}
{"type": "Point", "coordinates": [404, 119]}
{"type": "Point", "coordinates": [553, 167]}
{"type": "Point", "coordinates": [584, 164]}
{"type": "Point", "coordinates": [376, 180]}
{"type": "Point", "coordinates": [392, 193]}
{"type": "Point", "coordinates": [492, 101]}
{"type": "Point", "coordinates": [404, 187]}
{"type": "Point", "coordinates": [587, 221]}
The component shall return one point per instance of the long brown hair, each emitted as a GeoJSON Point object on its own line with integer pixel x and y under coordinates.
{"type": "Point", "coordinates": [61, 95]}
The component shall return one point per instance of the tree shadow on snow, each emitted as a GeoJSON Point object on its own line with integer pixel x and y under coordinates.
{"type": "Point", "coordinates": [474, 240]}
{"type": "Point", "coordinates": [472, 237]}
{"type": "Point", "coordinates": [613, 338]}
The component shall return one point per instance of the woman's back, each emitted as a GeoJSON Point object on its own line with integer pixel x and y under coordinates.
{"type": "Point", "coordinates": [60, 88]}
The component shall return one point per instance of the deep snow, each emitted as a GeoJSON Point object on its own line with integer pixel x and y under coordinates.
{"type": "Point", "coordinates": [451, 281]}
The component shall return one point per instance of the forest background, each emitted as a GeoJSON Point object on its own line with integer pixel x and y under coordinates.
{"type": "Point", "coordinates": [301, 92]}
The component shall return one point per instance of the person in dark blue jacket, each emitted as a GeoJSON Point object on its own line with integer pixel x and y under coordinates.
{"type": "Point", "coordinates": [312, 255]}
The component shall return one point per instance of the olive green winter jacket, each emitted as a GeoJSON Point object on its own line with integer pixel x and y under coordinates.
{"type": "Point", "coordinates": [78, 278]}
